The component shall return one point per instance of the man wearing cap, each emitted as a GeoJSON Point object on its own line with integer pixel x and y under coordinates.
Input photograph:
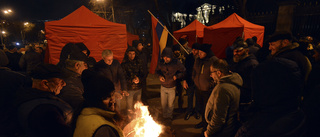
{"type": "Point", "coordinates": [40, 112]}
{"type": "Point", "coordinates": [169, 70]}
{"type": "Point", "coordinates": [188, 83]}
{"type": "Point", "coordinates": [243, 63]}
{"type": "Point", "coordinates": [75, 64]}
{"type": "Point", "coordinates": [281, 46]}
{"type": "Point", "coordinates": [202, 79]}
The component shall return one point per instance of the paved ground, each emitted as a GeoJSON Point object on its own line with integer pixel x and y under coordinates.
{"type": "Point", "coordinates": [179, 126]}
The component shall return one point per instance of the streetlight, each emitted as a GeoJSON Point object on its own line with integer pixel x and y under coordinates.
{"type": "Point", "coordinates": [8, 11]}
{"type": "Point", "coordinates": [5, 12]}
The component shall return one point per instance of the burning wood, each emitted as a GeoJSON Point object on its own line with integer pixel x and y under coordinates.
{"type": "Point", "coordinates": [143, 125]}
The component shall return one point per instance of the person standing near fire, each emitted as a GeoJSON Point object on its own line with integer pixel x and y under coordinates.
{"type": "Point", "coordinates": [223, 103]}
{"type": "Point", "coordinates": [169, 70]}
{"type": "Point", "coordinates": [132, 67]}
{"type": "Point", "coordinates": [111, 68]}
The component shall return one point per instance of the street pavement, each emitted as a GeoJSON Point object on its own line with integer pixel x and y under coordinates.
{"type": "Point", "coordinates": [178, 127]}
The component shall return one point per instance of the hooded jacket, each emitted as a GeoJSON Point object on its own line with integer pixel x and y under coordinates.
{"type": "Point", "coordinates": [132, 68]}
{"type": "Point", "coordinates": [222, 106]}
{"type": "Point", "coordinates": [201, 72]}
{"type": "Point", "coordinates": [168, 70]}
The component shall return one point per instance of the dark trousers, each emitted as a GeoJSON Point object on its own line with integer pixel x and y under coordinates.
{"type": "Point", "coordinates": [191, 93]}
{"type": "Point", "coordinates": [144, 96]}
{"type": "Point", "coordinates": [179, 90]}
{"type": "Point", "coordinates": [202, 98]}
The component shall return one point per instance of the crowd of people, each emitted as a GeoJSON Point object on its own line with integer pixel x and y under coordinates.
{"type": "Point", "coordinates": [254, 92]}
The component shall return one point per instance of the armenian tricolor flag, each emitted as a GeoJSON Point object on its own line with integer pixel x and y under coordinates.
{"type": "Point", "coordinates": [159, 38]}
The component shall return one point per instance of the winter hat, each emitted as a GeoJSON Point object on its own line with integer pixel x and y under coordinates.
{"type": "Point", "coordinates": [83, 47]}
{"type": "Point", "coordinates": [205, 48]}
{"type": "Point", "coordinates": [167, 52]}
{"type": "Point", "coordinates": [240, 45]}
{"type": "Point", "coordinates": [96, 86]}
{"type": "Point", "coordinates": [76, 55]}
{"type": "Point", "coordinates": [176, 47]}
{"type": "Point", "coordinates": [48, 71]}
{"type": "Point", "coordinates": [3, 59]}
{"type": "Point", "coordinates": [195, 45]}
{"type": "Point", "coordinates": [182, 41]}
{"type": "Point", "coordinates": [135, 43]}
{"type": "Point", "coordinates": [250, 42]}
{"type": "Point", "coordinates": [280, 35]}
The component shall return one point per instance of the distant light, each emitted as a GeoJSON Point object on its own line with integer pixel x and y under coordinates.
{"type": "Point", "coordinates": [26, 23]}
{"type": "Point", "coordinates": [17, 44]}
{"type": "Point", "coordinates": [3, 32]}
{"type": "Point", "coordinates": [7, 11]}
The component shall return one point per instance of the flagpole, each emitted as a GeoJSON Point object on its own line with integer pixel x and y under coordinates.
{"type": "Point", "coordinates": [170, 33]}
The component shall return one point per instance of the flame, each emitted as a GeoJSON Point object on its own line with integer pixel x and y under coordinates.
{"type": "Point", "coordinates": [145, 125]}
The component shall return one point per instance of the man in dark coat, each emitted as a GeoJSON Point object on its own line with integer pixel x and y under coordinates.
{"type": "Point", "coordinates": [30, 60]}
{"type": "Point", "coordinates": [188, 83]}
{"type": "Point", "coordinates": [111, 68]}
{"type": "Point", "coordinates": [142, 55]}
{"type": "Point", "coordinates": [276, 86]}
{"type": "Point", "coordinates": [202, 80]}
{"type": "Point", "coordinates": [132, 67]}
{"type": "Point", "coordinates": [73, 91]}
{"type": "Point", "coordinates": [243, 63]}
{"type": "Point", "coordinates": [281, 46]}
{"type": "Point", "coordinates": [169, 70]}
{"type": "Point", "coordinates": [10, 82]}
{"type": "Point", "coordinates": [40, 112]}
{"type": "Point", "coordinates": [14, 58]}
{"type": "Point", "coordinates": [311, 100]}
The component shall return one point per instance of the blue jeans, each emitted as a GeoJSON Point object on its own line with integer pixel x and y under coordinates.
{"type": "Point", "coordinates": [133, 95]}
{"type": "Point", "coordinates": [167, 101]}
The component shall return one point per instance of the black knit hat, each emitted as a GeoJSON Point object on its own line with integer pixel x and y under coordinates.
{"type": "Point", "coordinates": [195, 45]}
{"type": "Point", "coordinates": [96, 87]}
{"type": "Point", "coordinates": [76, 55]}
{"type": "Point", "coordinates": [48, 71]}
{"type": "Point", "coordinates": [205, 48]}
{"type": "Point", "coordinates": [280, 35]}
{"type": "Point", "coordinates": [176, 47]}
{"type": "Point", "coordinates": [135, 43]}
{"type": "Point", "coordinates": [240, 45]}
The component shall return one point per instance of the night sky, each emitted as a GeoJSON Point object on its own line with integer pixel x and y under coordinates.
{"type": "Point", "coordinates": [57, 9]}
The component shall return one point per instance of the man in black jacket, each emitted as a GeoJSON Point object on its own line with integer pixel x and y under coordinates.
{"type": "Point", "coordinates": [281, 46]}
{"type": "Point", "coordinates": [132, 67]}
{"type": "Point", "coordinates": [111, 68]}
{"type": "Point", "coordinates": [202, 79]}
{"type": "Point", "coordinates": [72, 92]}
{"type": "Point", "coordinates": [188, 83]}
{"type": "Point", "coordinates": [40, 112]}
{"type": "Point", "coordinates": [169, 70]}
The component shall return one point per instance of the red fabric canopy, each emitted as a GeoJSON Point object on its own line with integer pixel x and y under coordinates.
{"type": "Point", "coordinates": [82, 25]}
{"type": "Point", "coordinates": [194, 32]}
{"type": "Point", "coordinates": [224, 33]}
{"type": "Point", "coordinates": [131, 37]}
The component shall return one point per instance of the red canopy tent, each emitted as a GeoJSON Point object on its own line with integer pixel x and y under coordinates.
{"type": "Point", "coordinates": [224, 33]}
{"type": "Point", "coordinates": [82, 25]}
{"type": "Point", "coordinates": [194, 32]}
{"type": "Point", "coordinates": [131, 37]}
